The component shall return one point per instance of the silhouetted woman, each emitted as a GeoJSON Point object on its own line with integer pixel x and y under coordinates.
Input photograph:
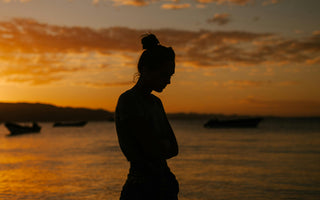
{"type": "Point", "coordinates": [145, 135]}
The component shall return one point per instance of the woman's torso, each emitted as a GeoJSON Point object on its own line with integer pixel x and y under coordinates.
{"type": "Point", "coordinates": [134, 105]}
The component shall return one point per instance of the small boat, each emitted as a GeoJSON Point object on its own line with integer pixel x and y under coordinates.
{"type": "Point", "coordinates": [69, 124]}
{"type": "Point", "coordinates": [110, 119]}
{"type": "Point", "coordinates": [16, 129]}
{"type": "Point", "coordinates": [233, 123]}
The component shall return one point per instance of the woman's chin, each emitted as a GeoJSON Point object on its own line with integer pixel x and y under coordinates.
{"type": "Point", "coordinates": [159, 90]}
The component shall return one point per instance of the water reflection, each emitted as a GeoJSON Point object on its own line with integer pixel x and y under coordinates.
{"type": "Point", "coordinates": [86, 163]}
{"type": "Point", "coordinates": [60, 164]}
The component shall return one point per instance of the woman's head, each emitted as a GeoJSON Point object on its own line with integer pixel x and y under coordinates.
{"type": "Point", "coordinates": [156, 64]}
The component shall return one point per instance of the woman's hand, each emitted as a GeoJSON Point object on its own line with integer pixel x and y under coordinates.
{"type": "Point", "coordinates": [169, 148]}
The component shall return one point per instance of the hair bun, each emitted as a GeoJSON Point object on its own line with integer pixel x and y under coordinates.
{"type": "Point", "coordinates": [149, 41]}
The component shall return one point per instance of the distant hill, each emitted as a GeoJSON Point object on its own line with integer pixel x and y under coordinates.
{"type": "Point", "coordinates": [28, 112]}
{"type": "Point", "coordinates": [191, 116]}
{"type": "Point", "coordinates": [25, 112]}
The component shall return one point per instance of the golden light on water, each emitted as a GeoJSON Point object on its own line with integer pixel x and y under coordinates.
{"type": "Point", "coordinates": [86, 163]}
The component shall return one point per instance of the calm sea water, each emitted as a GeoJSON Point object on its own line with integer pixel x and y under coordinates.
{"type": "Point", "coordinates": [278, 160]}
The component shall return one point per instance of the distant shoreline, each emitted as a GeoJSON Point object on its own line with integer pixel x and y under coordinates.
{"type": "Point", "coordinates": [24, 112]}
{"type": "Point", "coordinates": [41, 112]}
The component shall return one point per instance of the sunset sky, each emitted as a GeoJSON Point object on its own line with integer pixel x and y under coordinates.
{"type": "Point", "coordinates": [256, 57]}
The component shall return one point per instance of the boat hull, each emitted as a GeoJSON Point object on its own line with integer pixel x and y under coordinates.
{"type": "Point", "coordinates": [233, 123]}
{"type": "Point", "coordinates": [70, 124]}
{"type": "Point", "coordinates": [16, 129]}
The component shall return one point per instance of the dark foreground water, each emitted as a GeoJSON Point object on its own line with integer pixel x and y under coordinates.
{"type": "Point", "coordinates": [278, 160]}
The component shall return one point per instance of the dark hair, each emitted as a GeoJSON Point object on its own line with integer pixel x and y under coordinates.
{"type": "Point", "coordinates": [155, 54]}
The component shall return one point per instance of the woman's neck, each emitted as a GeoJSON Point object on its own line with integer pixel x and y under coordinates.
{"type": "Point", "coordinates": [142, 88]}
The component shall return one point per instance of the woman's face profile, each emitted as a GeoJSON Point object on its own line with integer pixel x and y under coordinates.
{"type": "Point", "coordinates": [160, 78]}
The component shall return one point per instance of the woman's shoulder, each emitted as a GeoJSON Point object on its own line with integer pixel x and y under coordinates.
{"type": "Point", "coordinates": [127, 96]}
{"type": "Point", "coordinates": [129, 99]}
{"type": "Point", "coordinates": [129, 106]}
{"type": "Point", "coordinates": [156, 99]}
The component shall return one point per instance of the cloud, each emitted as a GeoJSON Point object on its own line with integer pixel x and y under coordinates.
{"type": "Point", "coordinates": [31, 36]}
{"type": "Point", "coordinates": [35, 70]}
{"type": "Point", "coordinates": [316, 33]}
{"type": "Point", "coordinates": [313, 61]}
{"type": "Point", "coordinates": [200, 3]}
{"type": "Point", "coordinates": [95, 2]}
{"type": "Point", "coordinates": [165, 5]}
{"type": "Point", "coordinates": [220, 19]}
{"type": "Point", "coordinates": [169, 6]}
{"type": "Point", "coordinates": [33, 49]}
{"type": "Point", "coordinates": [34, 80]}
{"type": "Point", "coordinates": [9, 1]}
{"type": "Point", "coordinates": [132, 2]}
{"type": "Point", "coordinates": [245, 84]}
{"type": "Point", "coordinates": [175, 4]}
{"type": "Point", "coordinates": [105, 84]}
{"type": "Point", "coordinates": [268, 2]}
{"type": "Point", "coordinates": [230, 2]}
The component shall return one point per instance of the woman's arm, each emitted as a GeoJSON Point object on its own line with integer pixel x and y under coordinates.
{"type": "Point", "coordinates": [172, 148]}
{"type": "Point", "coordinates": [131, 120]}
{"type": "Point", "coordinates": [172, 145]}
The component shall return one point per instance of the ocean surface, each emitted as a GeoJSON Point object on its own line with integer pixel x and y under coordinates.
{"type": "Point", "coordinates": [278, 160]}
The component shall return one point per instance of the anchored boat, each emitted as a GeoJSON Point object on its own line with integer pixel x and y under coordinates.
{"type": "Point", "coordinates": [233, 123]}
{"type": "Point", "coordinates": [16, 129]}
{"type": "Point", "coordinates": [67, 124]}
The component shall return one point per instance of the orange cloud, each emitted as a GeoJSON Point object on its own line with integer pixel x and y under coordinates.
{"type": "Point", "coordinates": [168, 6]}
{"type": "Point", "coordinates": [316, 33]}
{"type": "Point", "coordinates": [28, 35]}
{"type": "Point", "coordinates": [231, 2]}
{"type": "Point", "coordinates": [34, 80]}
{"type": "Point", "coordinates": [220, 19]}
{"type": "Point", "coordinates": [267, 2]}
{"type": "Point", "coordinates": [313, 61]}
{"type": "Point", "coordinates": [180, 6]}
{"type": "Point", "coordinates": [22, 1]}
{"type": "Point", "coordinates": [105, 84]}
{"type": "Point", "coordinates": [37, 49]}
{"type": "Point", "coordinates": [139, 3]}
{"type": "Point", "coordinates": [237, 2]}
{"type": "Point", "coordinates": [175, 5]}
{"type": "Point", "coordinates": [132, 2]}
{"type": "Point", "coordinates": [244, 84]}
